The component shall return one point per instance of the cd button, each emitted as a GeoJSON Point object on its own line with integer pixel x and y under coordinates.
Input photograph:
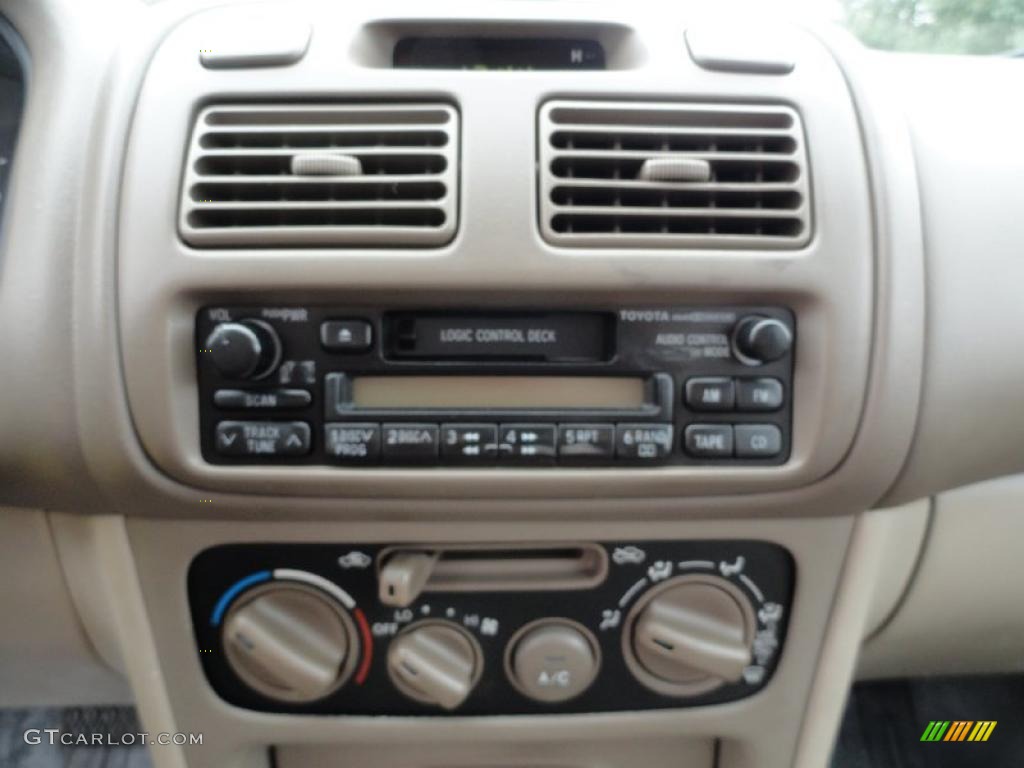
{"type": "Point", "coordinates": [469, 442]}
{"type": "Point", "coordinates": [643, 442]}
{"type": "Point", "coordinates": [758, 441]}
{"type": "Point", "coordinates": [709, 441]}
{"type": "Point", "coordinates": [586, 441]}
{"type": "Point", "coordinates": [710, 393]}
{"type": "Point", "coordinates": [527, 442]}
{"type": "Point", "coordinates": [409, 442]}
{"type": "Point", "coordinates": [355, 442]}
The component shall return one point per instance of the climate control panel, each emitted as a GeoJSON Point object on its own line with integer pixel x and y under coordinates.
{"type": "Point", "coordinates": [419, 630]}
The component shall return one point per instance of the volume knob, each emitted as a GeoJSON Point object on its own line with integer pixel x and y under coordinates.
{"type": "Point", "coordinates": [247, 349]}
{"type": "Point", "coordinates": [758, 339]}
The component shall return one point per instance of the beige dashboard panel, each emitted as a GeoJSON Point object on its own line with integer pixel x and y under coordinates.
{"type": "Point", "coordinates": [86, 279]}
{"type": "Point", "coordinates": [46, 656]}
{"type": "Point", "coordinates": [961, 613]}
{"type": "Point", "coordinates": [498, 258]}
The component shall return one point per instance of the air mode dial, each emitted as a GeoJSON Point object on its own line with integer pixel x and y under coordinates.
{"type": "Point", "coordinates": [690, 635]}
{"type": "Point", "coordinates": [290, 642]}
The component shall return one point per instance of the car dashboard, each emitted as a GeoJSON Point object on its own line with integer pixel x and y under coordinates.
{"type": "Point", "coordinates": [528, 383]}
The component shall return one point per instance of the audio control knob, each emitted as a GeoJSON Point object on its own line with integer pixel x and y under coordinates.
{"type": "Point", "coordinates": [290, 642]}
{"type": "Point", "coordinates": [435, 662]}
{"type": "Point", "coordinates": [690, 636]}
{"type": "Point", "coordinates": [247, 349]}
{"type": "Point", "coordinates": [758, 339]}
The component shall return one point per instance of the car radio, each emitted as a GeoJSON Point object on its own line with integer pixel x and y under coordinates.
{"type": "Point", "coordinates": [364, 386]}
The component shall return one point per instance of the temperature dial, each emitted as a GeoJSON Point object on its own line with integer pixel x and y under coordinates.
{"type": "Point", "coordinates": [690, 636]}
{"type": "Point", "coordinates": [757, 340]}
{"type": "Point", "coordinates": [435, 662]}
{"type": "Point", "coordinates": [247, 349]}
{"type": "Point", "coordinates": [290, 642]}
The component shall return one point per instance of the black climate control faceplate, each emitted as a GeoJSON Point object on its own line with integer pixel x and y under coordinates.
{"type": "Point", "coordinates": [762, 574]}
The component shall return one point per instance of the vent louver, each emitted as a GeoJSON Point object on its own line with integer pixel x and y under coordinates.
{"type": "Point", "coordinates": [305, 176]}
{"type": "Point", "coordinates": [632, 174]}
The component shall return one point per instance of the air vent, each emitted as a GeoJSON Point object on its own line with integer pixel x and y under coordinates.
{"type": "Point", "coordinates": [632, 174]}
{"type": "Point", "coordinates": [306, 176]}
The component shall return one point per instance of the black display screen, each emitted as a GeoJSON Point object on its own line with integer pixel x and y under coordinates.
{"type": "Point", "coordinates": [491, 53]}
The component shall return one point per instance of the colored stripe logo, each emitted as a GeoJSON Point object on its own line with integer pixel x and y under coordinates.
{"type": "Point", "coordinates": [958, 730]}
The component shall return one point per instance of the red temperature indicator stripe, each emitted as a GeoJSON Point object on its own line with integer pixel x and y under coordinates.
{"type": "Point", "coordinates": [364, 631]}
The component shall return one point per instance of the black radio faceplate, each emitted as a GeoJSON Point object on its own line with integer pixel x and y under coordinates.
{"type": "Point", "coordinates": [367, 386]}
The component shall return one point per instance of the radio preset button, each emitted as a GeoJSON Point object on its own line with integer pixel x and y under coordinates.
{"type": "Point", "coordinates": [268, 400]}
{"type": "Point", "coordinates": [759, 394]}
{"type": "Point", "coordinates": [409, 442]}
{"type": "Point", "coordinates": [586, 441]}
{"type": "Point", "coordinates": [469, 442]}
{"type": "Point", "coordinates": [710, 393]}
{"type": "Point", "coordinates": [346, 335]}
{"type": "Point", "coordinates": [262, 438]}
{"type": "Point", "coordinates": [708, 441]}
{"type": "Point", "coordinates": [527, 442]}
{"type": "Point", "coordinates": [352, 442]}
{"type": "Point", "coordinates": [644, 442]}
{"type": "Point", "coordinates": [758, 441]}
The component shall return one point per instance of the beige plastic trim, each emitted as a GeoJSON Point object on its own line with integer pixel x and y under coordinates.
{"type": "Point", "coordinates": [49, 654]}
{"type": "Point", "coordinates": [971, 419]}
{"type": "Point", "coordinates": [961, 613]}
{"type": "Point", "coordinates": [117, 586]}
{"type": "Point", "coordinates": [904, 549]}
{"type": "Point", "coordinates": [843, 631]}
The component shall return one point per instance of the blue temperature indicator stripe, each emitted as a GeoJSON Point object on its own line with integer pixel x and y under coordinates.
{"type": "Point", "coordinates": [232, 593]}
